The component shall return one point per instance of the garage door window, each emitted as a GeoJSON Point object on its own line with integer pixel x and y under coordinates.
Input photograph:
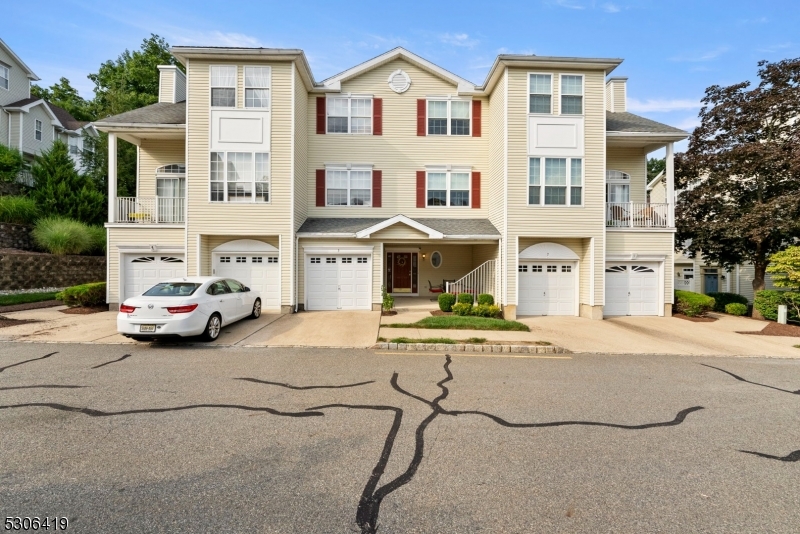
{"type": "Point", "coordinates": [257, 259]}
{"type": "Point", "coordinates": [225, 259]}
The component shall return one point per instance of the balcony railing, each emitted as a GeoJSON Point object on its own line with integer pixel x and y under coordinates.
{"type": "Point", "coordinates": [482, 279]}
{"type": "Point", "coordinates": [636, 215]}
{"type": "Point", "coordinates": [150, 210]}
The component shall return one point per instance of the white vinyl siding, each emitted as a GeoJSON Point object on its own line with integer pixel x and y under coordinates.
{"type": "Point", "coordinates": [349, 115]}
{"type": "Point", "coordinates": [223, 86]}
{"type": "Point", "coordinates": [256, 87]}
{"type": "Point", "coordinates": [555, 182]}
{"type": "Point", "coordinates": [239, 177]}
{"type": "Point", "coordinates": [449, 117]}
{"type": "Point", "coordinates": [348, 187]}
{"type": "Point", "coordinates": [540, 93]}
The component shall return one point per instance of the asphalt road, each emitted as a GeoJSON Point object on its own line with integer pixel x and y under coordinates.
{"type": "Point", "coordinates": [189, 439]}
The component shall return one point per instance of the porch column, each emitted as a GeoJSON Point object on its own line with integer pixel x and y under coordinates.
{"type": "Point", "coordinates": [670, 170]}
{"type": "Point", "coordinates": [112, 176]}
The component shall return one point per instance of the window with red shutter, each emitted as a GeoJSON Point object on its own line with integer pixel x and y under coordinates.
{"type": "Point", "coordinates": [476, 190]}
{"type": "Point", "coordinates": [421, 107]}
{"type": "Point", "coordinates": [377, 188]}
{"type": "Point", "coordinates": [476, 118]}
{"type": "Point", "coordinates": [421, 188]}
{"type": "Point", "coordinates": [377, 116]}
{"type": "Point", "coordinates": [321, 116]}
{"type": "Point", "coordinates": [321, 188]}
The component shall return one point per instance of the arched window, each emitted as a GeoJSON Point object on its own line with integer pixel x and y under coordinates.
{"type": "Point", "coordinates": [618, 186]}
{"type": "Point", "coordinates": [172, 168]}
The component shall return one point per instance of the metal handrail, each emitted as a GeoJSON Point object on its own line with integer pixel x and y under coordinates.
{"type": "Point", "coordinates": [482, 279]}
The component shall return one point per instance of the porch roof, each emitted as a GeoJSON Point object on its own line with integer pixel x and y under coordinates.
{"type": "Point", "coordinates": [449, 228]}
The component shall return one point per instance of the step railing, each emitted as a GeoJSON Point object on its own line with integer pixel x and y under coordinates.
{"type": "Point", "coordinates": [636, 215]}
{"type": "Point", "coordinates": [150, 210]}
{"type": "Point", "coordinates": [482, 279]}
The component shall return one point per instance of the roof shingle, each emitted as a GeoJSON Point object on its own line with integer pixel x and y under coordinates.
{"type": "Point", "coordinates": [630, 123]}
{"type": "Point", "coordinates": [449, 227]}
{"type": "Point", "coordinates": [158, 113]}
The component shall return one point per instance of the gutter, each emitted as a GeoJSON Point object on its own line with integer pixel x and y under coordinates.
{"type": "Point", "coordinates": [137, 125]}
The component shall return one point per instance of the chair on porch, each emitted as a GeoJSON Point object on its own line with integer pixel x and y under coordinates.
{"type": "Point", "coordinates": [435, 289]}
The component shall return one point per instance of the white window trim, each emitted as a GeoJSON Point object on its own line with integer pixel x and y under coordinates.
{"type": "Point", "coordinates": [235, 88]}
{"type": "Point", "coordinates": [37, 129]}
{"type": "Point", "coordinates": [448, 170]}
{"type": "Point", "coordinates": [552, 103]}
{"type": "Point", "coordinates": [225, 181]}
{"type": "Point", "coordinates": [348, 168]}
{"type": "Point", "coordinates": [569, 185]}
{"type": "Point", "coordinates": [449, 99]}
{"type": "Point", "coordinates": [268, 88]}
{"type": "Point", "coordinates": [441, 259]}
{"type": "Point", "coordinates": [350, 97]}
{"type": "Point", "coordinates": [7, 77]}
{"type": "Point", "coordinates": [561, 95]}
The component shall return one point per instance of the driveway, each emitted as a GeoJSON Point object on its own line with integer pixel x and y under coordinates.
{"type": "Point", "coordinates": [308, 329]}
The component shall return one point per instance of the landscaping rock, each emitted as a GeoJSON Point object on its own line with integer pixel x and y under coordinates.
{"type": "Point", "coordinates": [393, 346]}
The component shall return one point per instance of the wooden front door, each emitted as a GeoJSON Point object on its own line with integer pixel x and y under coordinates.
{"type": "Point", "coordinates": [401, 272]}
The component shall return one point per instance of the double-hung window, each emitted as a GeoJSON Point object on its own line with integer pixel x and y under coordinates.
{"type": "Point", "coordinates": [223, 86]}
{"type": "Point", "coordinates": [4, 77]}
{"type": "Point", "coordinates": [256, 87]}
{"type": "Point", "coordinates": [239, 177]}
{"type": "Point", "coordinates": [541, 93]}
{"type": "Point", "coordinates": [555, 182]}
{"type": "Point", "coordinates": [448, 117]}
{"type": "Point", "coordinates": [571, 94]}
{"type": "Point", "coordinates": [348, 187]}
{"type": "Point", "coordinates": [349, 114]}
{"type": "Point", "coordinates": [37, 132]}
{"type": "Point", "coordinates": [448, 188]}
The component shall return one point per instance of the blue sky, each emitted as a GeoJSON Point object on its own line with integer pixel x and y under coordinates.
{"type": "Point", "coordinates": [673, 49]}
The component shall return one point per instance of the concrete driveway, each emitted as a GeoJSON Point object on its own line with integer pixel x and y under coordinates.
{"type": "Point", "coordinates": [308, 329]}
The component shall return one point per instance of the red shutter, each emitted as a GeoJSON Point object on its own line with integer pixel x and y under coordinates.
{"type": "Point", "coordinates": [421, 103]}
{"type": "Point", "coordinates": [421, 188]}
{"type": "Point", "coordinates": [377, 116]}
{"type": "Point", "coordinates": [321, 116]}
{"type": "Point", "coordinates": [476, 118]}
{"type": "Point", "coordinates": [377, 188]}
{"type": "Point", "coordinates": [320, 188]}
{"type": "Point", "coordinates": [476, 190]}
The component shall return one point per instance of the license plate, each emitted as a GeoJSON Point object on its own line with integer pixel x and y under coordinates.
{"type": "Point", "coordinates": [147, 328]}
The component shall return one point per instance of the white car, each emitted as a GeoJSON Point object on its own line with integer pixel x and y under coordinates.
{"type": "Point", "coordinates": [182, 307]}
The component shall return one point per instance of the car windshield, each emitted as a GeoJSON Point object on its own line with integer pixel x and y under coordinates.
{"type": "Point", "coordinates": [172, 289]}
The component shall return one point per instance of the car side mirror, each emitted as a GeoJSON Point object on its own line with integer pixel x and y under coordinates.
{"type": "Point", "coordinates": [246, 289]}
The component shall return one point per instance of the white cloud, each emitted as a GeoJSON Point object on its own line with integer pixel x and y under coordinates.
{"type": "Point", "coordinates": [703, 56]}
{"type": "Point", "coordinates": [608, 7]}
{"type": "Point", "coordinates": [570, 4]}
{"type": "Point", "coordinates": [458, 39]}
{"type": "Point", "coordinates": [689, 123]}
{"type": "Point", "coordinates": [655, 105]}
{"type": "Point", "coordinates": [526, 52]}
{"type": "Point", "coordinates": [214, 38]}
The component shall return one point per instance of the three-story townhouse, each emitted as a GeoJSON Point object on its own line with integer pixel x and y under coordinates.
{"type": "Point", "coordinates": [399, 174]}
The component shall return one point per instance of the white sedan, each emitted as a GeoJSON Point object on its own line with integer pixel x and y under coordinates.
{"type": "Point", "coordinates": [192, 306]}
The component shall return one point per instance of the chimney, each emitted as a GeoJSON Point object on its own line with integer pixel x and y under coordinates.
{"type": "Point", "coordinates": [616, 94]}
{"type": "Point", "coordinates": [171, 84]}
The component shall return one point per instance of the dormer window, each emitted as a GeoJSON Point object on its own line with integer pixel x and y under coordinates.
{"type": "Point", "coordinates": [4, 76]}
{"type": "Point", "coordinates": [223, 87]}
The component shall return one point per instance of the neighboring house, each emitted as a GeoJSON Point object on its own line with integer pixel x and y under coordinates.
{"type": "Point", "coordinates": [33, 124]}
{"type": "Point", "coordinates": [395, 173]}
{"type": "Point", "coordinates": [696, 274]}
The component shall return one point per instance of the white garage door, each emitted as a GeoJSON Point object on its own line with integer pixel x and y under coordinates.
{"type": "Point", "coordinates": [546, 288]}
{"type": "Point", "coordinates": [631, 289]}
{"type": "Point", "coordinates": [257, 270]}
{"type": "Point", "coordinates": [338, 282]}
{"type": "Point", "coordinates": [143, 272]}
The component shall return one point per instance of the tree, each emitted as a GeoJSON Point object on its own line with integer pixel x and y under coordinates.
{"type": "Point", "coordinates": [785, 268]}
{"type": "Point", "coordinates": [63, 95]}
{"type": "Point", "coordinates": [10, 163]}
{"type": "Point", "coordinates": [740, 177]}
{"type": "Point", "coordinates": [60, 190]}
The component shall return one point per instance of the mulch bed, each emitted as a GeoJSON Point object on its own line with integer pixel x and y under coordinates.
{"type": "Point", "coordinates": [440, 312]}
{"type": "Point", "coordinates": [5, 321]}
{"type": "Point", "coordinates": [388, 313]}
{"type": "Point", "coordinates": [694, 319]}
{"type": "Point", "coordinates": [30, 306]}
{"type": "Point", "coordinates": [80, 310]}
{"type": "Point", "coordinates": [776, 329]}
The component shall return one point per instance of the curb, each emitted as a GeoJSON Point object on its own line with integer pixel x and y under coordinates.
{"type": "Point", "coordinates": [524, 349]}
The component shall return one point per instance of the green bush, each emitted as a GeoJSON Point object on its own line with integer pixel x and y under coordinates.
{"type": "Point", "coordinates": [18, 210]}
{"type": "Point", "coordinates": [485, 298]}
{"type": "Point", "coordinates": [10, 163]}
{"type": "Point", "coordinates": [462, 309]}
{"type": "Point", "coordinates": [61, 236]}
{"type": "Point", "coordinates": [465, 298]}
{"type": "Point", "coordinates": [388, 300]}
{"type": "Point", "coordinates": [767, 301]}
{"type": "Point", "coordinates": [736, 308]}
{"type": "Point", "coordinates": [446, 301]}
{"type": "Point", "coordinates": [722, 299]}
{"type": "Point", "coordinates": [693, 304]}
{"type": "Point", "coordinates": [486, 310]}
{"type": "Point", "coordinates": [93, 294]}
{"type": "Point", "coordinates": [97, 235]}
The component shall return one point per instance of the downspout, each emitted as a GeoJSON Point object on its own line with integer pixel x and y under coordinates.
{"type": "Point", "coordinates": [296, 286]}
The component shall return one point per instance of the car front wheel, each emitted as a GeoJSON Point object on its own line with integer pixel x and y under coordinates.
{"type": "Point", "coordinates": [256, 309]}
{"type": "Point", "coordinates": [213, 328]}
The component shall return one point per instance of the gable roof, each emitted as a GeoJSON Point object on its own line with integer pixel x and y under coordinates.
{"type": "Point", "coordinates": [61, 116]}
{"type": "Point", "coordinates": [624, 122]}
{"type": "Point", "coordinates": [334, 83]}
{"type": "Point", "coordinates": [23, 66]}
{"type": "Point", "coordinates": [65, 118]}
{"type": "Point", "coordinates": [446, 228]}
{"type": "Point", "coordinates": [162, 113]}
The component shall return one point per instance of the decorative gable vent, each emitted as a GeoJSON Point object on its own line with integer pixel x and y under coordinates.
{"type": "Point", "coordinates": [399, 82]}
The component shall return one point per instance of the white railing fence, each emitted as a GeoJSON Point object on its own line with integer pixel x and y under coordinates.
{"type": "Point", "coordinates": [637, 215]}
{"type": "Point", "coordinates": [25, 177]}
{"type": "Point", "coordinates": [150, 210]}
{"type": "Point", "coordinates": [482, 279]}
{"type": "Point", "coordinates": [684, 284]}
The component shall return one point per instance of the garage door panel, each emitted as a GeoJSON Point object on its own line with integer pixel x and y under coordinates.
{"type": "Point", "coordinates": [546, 288]}
{"type": "Point", "coordinates": [259, 272]}
{"type": "Point", "coordinates": [338, 282]}
{"type": "Point", "coordinates": [632, 289]}
{"type": "Point", "coordinates": [140, 273]}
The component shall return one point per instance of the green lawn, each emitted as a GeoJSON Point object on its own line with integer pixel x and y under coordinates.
{"type": "Point", "coordinates": [24, 298]}
{"type": "Point", "coordinates": [457, 322]}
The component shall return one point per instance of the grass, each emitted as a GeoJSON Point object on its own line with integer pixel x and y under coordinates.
{"type": "Point", "coordinates": [456, 322]}
{"type": "Point", "coordinates": [25, 298]}
{"type": "Point", "coordinates": [445, 340]}
{"type": "Point", "coordinates": [475, 340]}
{"type": "Point", "coordinates": [381, 339]}
{"type": "Point", "coordinates": [797, 346]}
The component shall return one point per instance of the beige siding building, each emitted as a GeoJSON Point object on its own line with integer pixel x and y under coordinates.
{"type": "Point", "coordinates": [396, 174]}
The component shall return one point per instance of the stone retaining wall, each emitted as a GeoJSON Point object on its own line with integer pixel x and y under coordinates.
{"type": "Point", "coordinates": [31, 271]}
{"type": "Point", "coordinates": [16, 236]}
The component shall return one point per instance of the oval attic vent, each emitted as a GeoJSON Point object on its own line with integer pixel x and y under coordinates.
{"type": "Point", "coordinates": [399, 82]}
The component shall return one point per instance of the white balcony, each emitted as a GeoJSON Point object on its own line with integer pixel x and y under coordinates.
{"type": "Point", "coordinates": [150, 210]}
{"type": "Point", "coordinates": [637, 215]}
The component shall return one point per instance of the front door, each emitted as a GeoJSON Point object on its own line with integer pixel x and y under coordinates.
{"type": "Point", "coordinates": [401, 272]}
{"type": "Point", "coordinates": [711, 282]}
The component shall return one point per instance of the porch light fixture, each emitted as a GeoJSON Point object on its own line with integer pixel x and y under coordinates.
{"type": "Point", "coordinates": [423, 256]}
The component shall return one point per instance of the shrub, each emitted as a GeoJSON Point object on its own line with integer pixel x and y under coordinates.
{"type": "Point", "coordinates": [693, 304]}
{"type": "Point", "coordinates": [736, 308]}
{"type": "Point", "coordinates": [97, 234]}
{"type": "Point", "coordinates": [465, 298]}
{"type": "Point", "coordinates": [61, 236]}
{"type": "Point", "coordinates": [10, 163]}
{"type": "Point", "coordinates": [18, 210]}
{"type": "Point", "coordinates": [486, 310]}
{"type": "Point", "coordinates": [446, 301]}
{"type": "Point", "coordinates": [485, 298]}
{"type": "Point", "coordinates": [462, 309]}
{"type": "Point", "coordinates": [722, 299]}
{"type": "Point", "coordinates": [93, 294]}
{"type": "Point", "coordinates": [767, 301]}
{"type": "Point", "coordinates": [388, 300]}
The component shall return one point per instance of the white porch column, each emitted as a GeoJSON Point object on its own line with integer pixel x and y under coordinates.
{"type": "Point", "coordinates": [112, 176]}
{"type": "Point", "coordinates": [671, 184]}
